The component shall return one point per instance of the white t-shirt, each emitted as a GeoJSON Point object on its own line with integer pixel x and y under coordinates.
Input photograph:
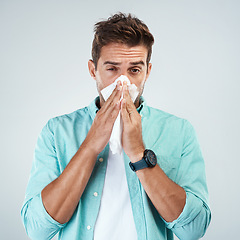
{"type": "Point", "coordinates": [115, 218]}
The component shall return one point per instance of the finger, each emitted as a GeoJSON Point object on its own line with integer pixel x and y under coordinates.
{"type": "Point", "coordinates": [124, 112]}
{"type": "Point", "coordinates": [114, 102]}
{"type": "Point", "coordinates": [126, 94]}
{"type": "Point", "coordinates": [114, 93]}
{"type": "Point", "coordinates": [107, 117]}
{"type": "Point", "coordinates": [111, 108]}
{"type": "Point", "coordinates": [130, 107]}
{"type": "Point", "coordinates": [117, 92]}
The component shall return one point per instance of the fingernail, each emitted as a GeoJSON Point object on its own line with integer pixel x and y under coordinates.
{"type": "Point", "coordinates": [118, 104]}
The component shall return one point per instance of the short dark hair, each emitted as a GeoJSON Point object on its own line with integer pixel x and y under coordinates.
{"type": "Point", "coordinates": [121, 28]}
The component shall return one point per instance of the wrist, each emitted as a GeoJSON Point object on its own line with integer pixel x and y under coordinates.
{"type": "Point", "coordinates": [89, 149]}
{"type": "Point", "coordinates": [138, 155]}
{"type": "Point", "coordinates": [149, 160]}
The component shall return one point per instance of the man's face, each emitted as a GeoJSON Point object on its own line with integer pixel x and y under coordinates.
{"type": "Point", "coordinates": [119, 59]}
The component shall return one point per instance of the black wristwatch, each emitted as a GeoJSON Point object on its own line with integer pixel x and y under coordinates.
{"type": "Point", "coordinates": [149, 160]}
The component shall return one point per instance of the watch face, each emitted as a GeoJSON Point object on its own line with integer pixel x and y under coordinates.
{"type": "Point", "coordinates": [151, 158]}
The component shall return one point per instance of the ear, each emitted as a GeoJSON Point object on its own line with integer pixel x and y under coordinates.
{"type": "Point", "coordinates": [149, 70]}
{"type": "Point", "coordinates": [91, 68]}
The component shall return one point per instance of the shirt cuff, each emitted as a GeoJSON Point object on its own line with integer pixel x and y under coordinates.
{"type": "Point", "coordinates": [191, 209]}
{"type": "Point", "coordinates": [46, 215]}
{"type": "Point", "coordinates": [38, 223]}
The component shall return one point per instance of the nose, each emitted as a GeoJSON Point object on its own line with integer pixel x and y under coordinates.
{"type": "Point", "coordinates": [123, 78]}
{"type": "Point", "coordinates": [125, 73]}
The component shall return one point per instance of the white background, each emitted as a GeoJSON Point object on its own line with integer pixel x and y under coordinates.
{"type": "Point", "coordinates": [44, 49]}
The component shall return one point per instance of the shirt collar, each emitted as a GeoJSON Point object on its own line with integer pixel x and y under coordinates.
{"type": "Point", "coordinates": [93, 109]}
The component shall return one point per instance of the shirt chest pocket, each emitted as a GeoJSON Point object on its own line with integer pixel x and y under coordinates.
{"type": "Point", "coordinates": [169, 165]}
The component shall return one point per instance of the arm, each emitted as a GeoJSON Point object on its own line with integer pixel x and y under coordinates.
{"type": "Point", "coordinates": [196, 215]}
{"type": "Point", "coordinates": [167, 197]}
{"type": "Point", "coordinates": [182, 206]}
{"type": "Point", "coordinates": [43, 213]}
{"type": "Point", "coordinates": [182, 211]}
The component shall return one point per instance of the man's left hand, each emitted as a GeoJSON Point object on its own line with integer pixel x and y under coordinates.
{"type": "Point", "coordinates": [132, 141]}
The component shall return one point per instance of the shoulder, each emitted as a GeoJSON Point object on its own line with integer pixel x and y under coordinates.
{"type": "Point", "coordinates": [79, 115]}
{"type": "Point", "coordinates": [163, 116]}
{"type": "Point", "coordinates": [168, 121]}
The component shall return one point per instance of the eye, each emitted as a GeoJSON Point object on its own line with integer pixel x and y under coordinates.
{"type": "Point", "coordinates": [135, 70]}
{"type": "Point", "coordinates": [111, 69]}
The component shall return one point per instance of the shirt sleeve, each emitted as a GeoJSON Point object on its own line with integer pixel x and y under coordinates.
{"type": "Point", "coordinates": [37, 222]}
{"type": "Point", "coordinates": [196, 215]}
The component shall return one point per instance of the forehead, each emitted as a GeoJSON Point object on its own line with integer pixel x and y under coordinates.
{"type": "Point", "coordinates": [120, 52]}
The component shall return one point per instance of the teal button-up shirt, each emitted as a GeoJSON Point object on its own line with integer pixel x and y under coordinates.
{"type": "Point", "coordinates": [171, 138]}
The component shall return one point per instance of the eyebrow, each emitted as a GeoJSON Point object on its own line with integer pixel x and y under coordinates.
{"type": "Point", "coordinates": [112, 63]}
{"type": "Point", "coordinates": [118, 63]}
{"type": "Point", "coordinates": [137, 63]}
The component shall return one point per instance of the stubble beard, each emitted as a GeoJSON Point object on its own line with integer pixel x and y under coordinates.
{"type": "Point", "coordinates": [140, 92]}
{"type": "Point", "coordinates": [102, 101]}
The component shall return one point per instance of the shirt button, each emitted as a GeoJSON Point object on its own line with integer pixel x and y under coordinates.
{"type": "Point", "coordinates": [88, 227]}
{"type": "Point", "coordinates": [95, 194]}
{"type": "Point", "coordinates": [100, 159]}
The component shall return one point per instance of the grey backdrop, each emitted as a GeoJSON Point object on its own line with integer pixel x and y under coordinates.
{"type": "Point", "coordinates": [44, 49]}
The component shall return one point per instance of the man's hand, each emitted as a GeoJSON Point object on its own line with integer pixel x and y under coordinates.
{"type": "Point", "coordinates": [70, 185]}
{"type": "Point", "coordinates": [101, 129]}
{"type": "Point", "coordinates": [132, 141]}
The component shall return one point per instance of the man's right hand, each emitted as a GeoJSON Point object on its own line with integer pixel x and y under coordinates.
{"type": "Point", "coordinates": [70, 185]}
{"type": "Point", "coordinates": [101, 129]}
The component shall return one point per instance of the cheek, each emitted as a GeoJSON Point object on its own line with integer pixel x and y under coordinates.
{"type": "Point", "coordinates": [104, 79]}
{"type": "Point", "coordinates": [139, 82]}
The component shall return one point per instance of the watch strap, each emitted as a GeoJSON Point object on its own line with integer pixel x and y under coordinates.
{"type": "Point", "coordinates": [138, 165]}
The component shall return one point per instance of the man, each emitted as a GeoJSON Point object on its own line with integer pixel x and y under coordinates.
{"type": "Point", "coordinates": [155, 187]}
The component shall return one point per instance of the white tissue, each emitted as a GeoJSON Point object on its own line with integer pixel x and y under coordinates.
{"type": "Point", "coordinates": [115, 142]}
